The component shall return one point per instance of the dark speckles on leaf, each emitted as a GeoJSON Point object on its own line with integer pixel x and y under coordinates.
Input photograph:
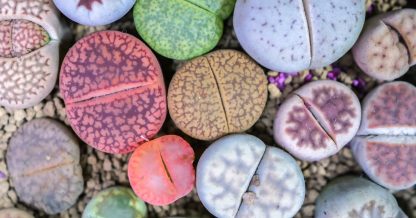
{"type": "Point", "coordinates": [88, 3]}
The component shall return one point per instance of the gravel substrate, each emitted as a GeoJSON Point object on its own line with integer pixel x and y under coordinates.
{"type": "Point", "coordinates": [104, 170]}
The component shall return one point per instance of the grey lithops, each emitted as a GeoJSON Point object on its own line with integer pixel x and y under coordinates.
{"type": "Point", "coordinates": [317, 120]}
{"type": "Point", "coordinates": [387, 47]}
{"type": "Point", "coordinates": [294, 35]}
{"type": "Point", "coordinates": [354, 197]}
{"type": "Point", "coordinates": [386, 146]}
{"type": "Point", "coordinates": [239, 176]}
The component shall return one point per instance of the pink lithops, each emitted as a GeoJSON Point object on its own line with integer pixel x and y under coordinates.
{"type": "Point", "coordinates": [385, 146]}
{"type": "Point", "coordinates": [114, 91]}
{"type": "Point", "coordinates": [30, 35]}
{"type": "Point", "coordinates": [387, 47]}
{"type": "Point", "coordinates": [294, 35]}
{"type": "Point", "coordinates": [239, 176]}
{"type": "Point", "coordinates": [317, 120]}
{"type": "Point", "coordinates": [94, 12]}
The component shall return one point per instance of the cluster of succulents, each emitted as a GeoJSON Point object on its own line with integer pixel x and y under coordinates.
{"type": "Point", "coordinates": [117, 102]}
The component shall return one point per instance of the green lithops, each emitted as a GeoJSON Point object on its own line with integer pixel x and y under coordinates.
{"type": "Point", "coordinates": [181, 29]}
{"type": "Point", "coordinates": [115, 202]}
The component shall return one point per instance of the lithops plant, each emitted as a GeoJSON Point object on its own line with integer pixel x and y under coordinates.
{"type": "Point", "coordinates": [294, 35]}
{"type": "Point", "coordinates": [114, 91]}
{"type": "Point", "coordinates": [14, 213]}
{"type": "Point", "coordinates": [387, 47]}
{"type": "Point", "coordinates": [317, 120]}
{"type": "Point", "coordinates": [355, 197]}
{"type": "Point", "coordinates": [239, 176]}
{"type": "Point", "coordinates": [43, 162]}
{"type": "Point", "coordinates": [115, 202]}
{"type": "Point", "coordinates": [181, 29]}
{"type": "Point", "coordinates": [161, 171]}
{"type": "Point", "coordinates": [222, 92]}
{"type": "Point", "coordinates": [94, 12]}
{"type": "Point", "coordinates": [30, 35]}
{"type": "Point", "coordinates": [385, 146]}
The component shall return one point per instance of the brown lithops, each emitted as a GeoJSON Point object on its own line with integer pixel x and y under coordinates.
{"type": "Point", "coordinates": [387, 47]}
{"type": "Point", "coordinates": [222, 92]}
{"type": "Point", "coordinates": [43, 161]}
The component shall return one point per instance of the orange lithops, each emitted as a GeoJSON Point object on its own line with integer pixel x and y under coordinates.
{"type": "Point", "coordinates": [161, 171]}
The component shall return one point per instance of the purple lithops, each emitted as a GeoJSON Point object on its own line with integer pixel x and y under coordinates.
{"type": "Point", "coordinates": [317, 120]}
{"type": "Point", "coordinates": [94, 12]}
{"type": "Point", "coordinates": [239, 176]}
{"type": "Point", "coordinates": [355, 197]}
{"type": "Point", "coordinates": [387, 47]}
{"type": "Point", "coordinates": [294, 35]}
{"type": "Point", "coordinates": [385, 147]}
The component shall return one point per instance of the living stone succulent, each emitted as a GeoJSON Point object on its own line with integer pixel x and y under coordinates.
{"type": "Point", "coordinates": [294, 35]}
{"type": "Point", "coordinates": [43, 160]}
{"type": "Point", "coordinates": [30, 36]}
{"type": "Point", "coordinates": [317, 120]}
{"type": "Point", "coordinates": [387, 47]}
{"type": "Point", "coordinates": [385, 146]}
{"type": "Point", "coordinates": [239, 176]}
{"type": "Point", "coordinates": [181, 29]}
{"type": "Point", "coordinates": [354, 197]}
{"type": "Point", "coordinates": [14, 213]}
{"type": "Point", "coordinates": [115, 202]}
{"type": "Point", "coordinates": [94, 12]}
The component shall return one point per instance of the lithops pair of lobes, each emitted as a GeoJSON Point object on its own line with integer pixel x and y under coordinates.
{"type": "Point", "coordinates": [115, 202]}
{"type": "Point", "coordinates": [181, 29]}
{"type": "Point", "coordinates": [30, 35]}
{"type": "Point", "coordinates": [94, 12]}
{"type": "Point", "coordinates": [387, 47]}
{"type": "Point", "coordinates": [239, 176]}
{"type": "Point", "coordinates": [354, 197]}
{"type": "Point", "coordinates": [317, 120]}
{"type": "Point", "coordinates": [385, 146]}
{"type": "Point", "coordinates": [113, 90]}
{"type": "Point", "coordinates": [294, 35]}
{"type": "Point", "coordinates": [43, 161]}
{"type": "Point", "coordinates": [222, 92]}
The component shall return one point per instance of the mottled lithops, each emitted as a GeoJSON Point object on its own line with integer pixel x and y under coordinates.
{"type": "Point", "coordinates": [181, 29]}
{"type": "Point", "coordinates": [14, 213]}
{"type": "Point", "coordinates": [294, 35]}
{"type": "Point", "coordinates": [43, 162]}
{"type": "Point", "coordinates": [30, 35]}
{"type": "Point", "coordinates": [387, 47]}
{"type": "Point", "coordinates": [317, 120]}
{"type": "Point", "coordinates": [94, 12]}
{"type": "Point", "coordinates": [354, 197]}
{"type": "Point", "coordinates": [385, 146]}
{"type": "Point", "coordinates": [115, 202]}
{"type": "Point", "coordinates": [220, 93]}
{"type": "Point", "coordinates": [114, 91]}
{"type": "Point", "coordinates": [161, 171]}
{"type": "Point", "coordinates": [239, 176]}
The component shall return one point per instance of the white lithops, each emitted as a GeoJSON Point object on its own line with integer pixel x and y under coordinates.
{"type": "Point", "coordinates": [239, 176]}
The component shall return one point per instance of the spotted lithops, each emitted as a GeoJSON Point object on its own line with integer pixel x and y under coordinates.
{"type": "Point", "coordinates": [181, 29]}
{"type": "Point", "coordinates": [294, 35]}
{"type": "Point", "coordinates": [43, 162]}
{"type": "Point", "coordinates": [354, 197]}
{"type": "Point", "coordinates": [387, 47]}
{"type": "Point", "coordinates": [222, 92]}
{"type": "Point", "coordinates": [94, 12]}
{"type": "Point", "coordinates": [239, 176]}
{"type": "Point", "coordinates": [317, 120]}
{"type": "Point", "coordinates": [14, 213]}
{"type": "Point", "coordinates": [385, 146]}
{"type": "Point", "coordinates": [114, 91]}
{"type": "Point", "coordinates": [115, 202]}
{"type": "Point", "coordinates": [30, 35]}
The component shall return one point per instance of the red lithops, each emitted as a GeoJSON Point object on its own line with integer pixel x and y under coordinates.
{"type": "Point", "coordinates": [114, 91]}
{"type": "Point", "coordinates": [161, 171]}
{"type": "Point", "coordinates": [385, 146]}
